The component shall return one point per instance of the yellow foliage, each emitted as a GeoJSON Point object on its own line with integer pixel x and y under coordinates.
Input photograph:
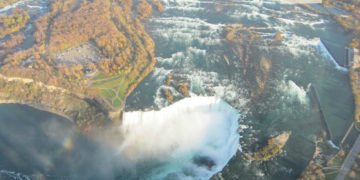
{"type": "Point", "coordinates": [14, 41]}
{"type": "Point", "coordinates": [144, 9]}
{"type": "Point", "coordinates": [159, 6]}
{"type": "Point", "coordinates": [13, 23]}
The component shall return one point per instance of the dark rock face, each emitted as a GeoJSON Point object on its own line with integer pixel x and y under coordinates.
{"type": "Point", "coordinates": [179, 83]}
{"type": "Point", "coordinates": [167, 94]}
{"type": "Point", "coordinates": [204, 161]}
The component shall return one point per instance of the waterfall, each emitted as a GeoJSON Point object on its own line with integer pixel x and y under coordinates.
{"type": "Point", "coordinates": [194, 138]}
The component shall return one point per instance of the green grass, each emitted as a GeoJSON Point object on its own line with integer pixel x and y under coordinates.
{"type": "Point", "coordinates": [330, 174]}
{"type": "Point", "coordinates": [117, 103]}
{"type": "Point", "coordinates": [99, 76]}
{"type": "Point", "coordinates": [107, 93]}
{"type": "Point", "coordinates": [109, 87]}
{"type": "Point", "coordinates": [338, 160]}
{"type": "Point", "coordinates": [122, 92]}
{"type": "Point", "coordinates": [109, 83]}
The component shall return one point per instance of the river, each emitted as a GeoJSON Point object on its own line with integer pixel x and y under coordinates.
{"type": "Point", "coordinates": [189, 42]}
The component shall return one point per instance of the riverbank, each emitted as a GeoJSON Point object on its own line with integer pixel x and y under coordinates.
{"type": "Point", "coordinates": [37, 106]}
{"type": "Point", "coordinates": [354, 75]}
{"type": "Point", "coordinates": [51, 75]}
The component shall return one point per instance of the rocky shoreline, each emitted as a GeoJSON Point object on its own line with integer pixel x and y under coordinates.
{"type": "Point", "coordinates": [273, 147]}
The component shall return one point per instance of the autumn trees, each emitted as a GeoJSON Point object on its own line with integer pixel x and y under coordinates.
{"type": "Point", "coordinates": [13, 41]}
{"type": "Point", "coordinates": [125, 55]}
{"type": "Point", "coordinates": [144, 9]}
{"type": "Point", "coordinates": [159, 6]}
{"type": "Point", "coordinates": [113, 27]}
{"type": "Point", "coordinates": [13, 23]}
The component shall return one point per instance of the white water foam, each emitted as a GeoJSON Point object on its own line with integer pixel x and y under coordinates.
{"type": "Point", "coordinates": [326, 54]}
{"type": "Point", "coordinates": [299, 45]}
{"type": "Point", "coordinates": [13, 175]}
{"type": "Point", "coordinates": [332, 144]}
{"type": "Point", "coordinates": [294, 92]}
{"type": "Point", "coordinates": [194, 137]}
{"type": "Point", "coordinates": [188, 30]}
{"type": "Point", "coordinates": [12, 6]}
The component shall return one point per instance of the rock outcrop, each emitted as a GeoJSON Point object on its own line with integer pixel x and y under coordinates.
{"type": "Point", "coordinates": [180, 84]}
{"type": "Point", "coordinates": [271, 149]}
{"type": "Point", "coordinates": [256, 69]}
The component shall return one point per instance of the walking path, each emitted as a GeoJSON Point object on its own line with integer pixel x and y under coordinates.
{"type": "Point", "coordinates": [350, 158]}
{"type": "Point", "coordinates": [28, 80]}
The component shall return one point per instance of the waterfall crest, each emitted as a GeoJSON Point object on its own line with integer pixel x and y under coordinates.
{"type": "Point", "coordinates": [194, 138]}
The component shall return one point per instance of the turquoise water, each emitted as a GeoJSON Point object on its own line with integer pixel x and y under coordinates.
{"type": "Point", "coordinates": [188, 37]}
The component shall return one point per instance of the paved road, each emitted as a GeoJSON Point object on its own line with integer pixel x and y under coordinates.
{"type": "Point", "coordinates": [350, 158]}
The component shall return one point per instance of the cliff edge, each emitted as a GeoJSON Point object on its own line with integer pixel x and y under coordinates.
{"type": "Point", "coordinates": [80, 60]}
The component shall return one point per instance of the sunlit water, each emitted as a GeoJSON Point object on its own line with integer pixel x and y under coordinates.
{"type": "Point", "coordinates": [188, 37]}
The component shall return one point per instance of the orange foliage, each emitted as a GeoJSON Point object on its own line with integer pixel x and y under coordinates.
{"type": "Point", "coordinates": [71, 29]}
{"type": "Point", "coordinates": [13, 23]}
{"type": "Point", "coordinates": [41, 26]}
{"type": "Point", "coordinates": [91, 66]}
{"type": "Point", "coordinates": [120, 37]}
{"type": "Point", "coordinates": [14, 41]}
{"type": "Point", "coordinates": [158, 5]}
{"type": "Point", "coordinates": [144, 9]}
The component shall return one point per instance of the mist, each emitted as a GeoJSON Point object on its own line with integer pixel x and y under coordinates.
{"type": "Point", "coordinates": [190, 139]}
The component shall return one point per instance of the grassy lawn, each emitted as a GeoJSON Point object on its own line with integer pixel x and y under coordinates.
{"type": "Point", "coordinates": [99, 76]}
{"type": "Point", "coordinates": [107, 93]}
{"type": "Point", "coordinates": [110, 85]}
{"type": "Point", "coordinates": [331, 174]}
{"type": "Point", "coordinates": [122, 92]}
{"type": "Point", "coordinates": [117, 103]}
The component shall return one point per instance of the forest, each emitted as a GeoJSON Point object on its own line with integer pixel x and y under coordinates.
{"type": "Point", "coordinates": [112, 27]}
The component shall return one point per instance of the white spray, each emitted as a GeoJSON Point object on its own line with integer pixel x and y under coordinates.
{"type": "Point", "coordinates": [193, 128]}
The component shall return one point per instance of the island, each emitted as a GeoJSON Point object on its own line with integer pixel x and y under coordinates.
{"type": "Point", "coordinates": [272, 148]}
